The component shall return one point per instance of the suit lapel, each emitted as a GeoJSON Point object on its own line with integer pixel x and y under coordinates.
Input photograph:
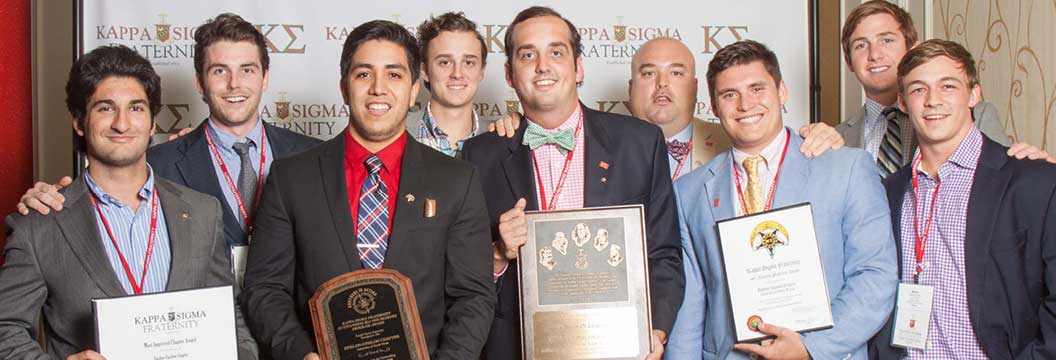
{"type": "Point", "coordinates": [278, 141]}
{"type": "Point", "coordinates": [595, 174]}
{"type": "Point", "coordinates": [79, 228]}
{"type": "Point", "coordinates": [332, 171]}
{"type": "Point", "coordinates": [719, 188]}
{"type": "Point", "coordinates": [177, 212]}
{"type": "Point", "coordinates": [196, 168]}
{"type": "Point", "coordinates": [407, 212]}
{"type": "Point", "coordinates": [518, 169]}
{"type": "Point", "coordinates": [988, 190]}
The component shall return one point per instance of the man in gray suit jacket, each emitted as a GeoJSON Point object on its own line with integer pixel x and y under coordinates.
{"type": "Point", "coordinates": [109, 242]}
{"type": "Point", "coordinates": [875, 37]}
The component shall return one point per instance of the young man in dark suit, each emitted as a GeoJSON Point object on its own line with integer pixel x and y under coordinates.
{"type": "Point", "coordinates": [373, 197]}
{"type": "Point", "coordinates": [983, 243]}
{"type": "Point", "coordinates": [615, 160]}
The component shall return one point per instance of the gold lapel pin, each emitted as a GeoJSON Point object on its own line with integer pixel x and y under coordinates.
{"type": "Point", "coordinates": [410, 198]}
{"type": "Point", "coordinates": [184, 216]}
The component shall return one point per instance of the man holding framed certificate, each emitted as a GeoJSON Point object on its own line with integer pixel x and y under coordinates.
{"type": "Point", "coordinates": [125, 232]}
{"type": "Point", "coordinates": [851, 230]}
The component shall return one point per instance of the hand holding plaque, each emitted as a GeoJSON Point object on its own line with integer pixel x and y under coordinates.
{"type": "Point", "coordinates": [367, 314]}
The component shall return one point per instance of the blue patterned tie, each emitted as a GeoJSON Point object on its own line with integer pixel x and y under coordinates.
{"type": "Point", "coordinates": [372, 219]}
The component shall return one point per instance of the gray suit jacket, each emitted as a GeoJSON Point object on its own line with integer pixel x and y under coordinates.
{"type": "Point", "coordinates": [985, 114]}
{"type": "Point", "coordinates": [55, 264]}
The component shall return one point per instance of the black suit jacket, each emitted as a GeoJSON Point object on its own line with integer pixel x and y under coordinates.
{"type": "Point", "coordinates": [188, 162]}
{"type": "Point", "coordinates": [1010, 255]}
{"type": "Point", "coordinates": [637, 173]}
{"type": "Point", "coordinates": [304, 236]}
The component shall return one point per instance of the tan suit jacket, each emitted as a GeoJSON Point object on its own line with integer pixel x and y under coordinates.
{"type": "Point", "coordinates": [709, 140]}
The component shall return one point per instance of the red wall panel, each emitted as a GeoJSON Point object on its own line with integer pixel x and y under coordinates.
{"type": "Point", "coordinates": [16, 111]}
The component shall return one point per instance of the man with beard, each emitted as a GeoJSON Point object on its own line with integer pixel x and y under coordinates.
{"type": "Point", "coordinates": [373, 197]}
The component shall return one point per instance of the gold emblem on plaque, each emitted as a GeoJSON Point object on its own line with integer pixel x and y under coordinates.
{"type": "Point", "coordinates": [768, 235]}
{"type": "Point", "coordinates": [601, 240]}
{"type": "Point", "coordinates": [581, 234]}
{"type": "Point", "coordinates": [560, 243]}
{"type": "Point", "coordinates": [362, 301]}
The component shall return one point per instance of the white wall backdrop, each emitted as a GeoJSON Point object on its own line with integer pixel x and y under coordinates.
{"type": "Point", "coordinates": [305, 39]}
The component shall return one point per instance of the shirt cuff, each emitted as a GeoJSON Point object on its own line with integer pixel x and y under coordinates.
{"type": "Point", "coordinates": [495, 276]}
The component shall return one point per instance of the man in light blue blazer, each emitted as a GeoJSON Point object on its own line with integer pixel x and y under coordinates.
{"type": "Point", "coordinates": [851, 219]}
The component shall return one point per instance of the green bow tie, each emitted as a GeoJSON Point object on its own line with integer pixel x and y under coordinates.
{"type": "Point", "coordinates": [536, 136]}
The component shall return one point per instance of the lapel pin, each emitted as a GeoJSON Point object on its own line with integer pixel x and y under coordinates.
{"type": "Point", "coordinates": [184, 216]}
{"type": "Point", "coordinates": [716, 202]}
{"type": "Point", "coordinates": [603, 165]}
{"type": "Point", "coordinates": [603, 179]}
{"type": "Point", "coordinates": [410, 197]}
{"type": "Point", "coordinates": [430, 208]}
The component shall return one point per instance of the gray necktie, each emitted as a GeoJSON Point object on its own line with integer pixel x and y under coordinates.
{"type": "Point", "coordinates": [890, 157]}
{"type": "Point", "coordinates": [247, 177]}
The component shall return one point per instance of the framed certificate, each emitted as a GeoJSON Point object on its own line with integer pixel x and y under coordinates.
{"type": "Point", "coordinates": [186, 324]}
{"type": "Point", "coordinates": [584, 284]}
{"type": "Point", "coordinates": [774, 272]}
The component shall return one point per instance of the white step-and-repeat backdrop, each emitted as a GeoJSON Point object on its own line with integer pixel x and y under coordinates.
{"type": "Point", "coordinates": [305, 38]}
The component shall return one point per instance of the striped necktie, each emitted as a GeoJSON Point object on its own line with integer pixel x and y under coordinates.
{"type": "Point", "coordinates": [372, 219]}
{"type": "Point", "coordinates": [890, 157]}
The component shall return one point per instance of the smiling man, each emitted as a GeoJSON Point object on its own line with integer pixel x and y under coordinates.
{"type": "Point", "coordinates": [852, 226]}
{"type": "Point", "coordinates": [983, 243]}
{"type": "Point", "coordinates": [360, 200]}
{"type": "Point", "coordinates": [876, 35]}
{"type": "Point", "coordinates": [589, 159]}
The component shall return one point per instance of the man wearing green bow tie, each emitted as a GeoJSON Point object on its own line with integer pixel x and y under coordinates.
{"type": "Point", "coordinates": [568, 156]}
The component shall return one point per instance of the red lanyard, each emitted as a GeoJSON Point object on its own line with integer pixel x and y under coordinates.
{"type": "Point", "coordinates": [773, 185]}
{"type": "Point", "coordinates": [921, 239]}
{"type": "Point", "coordinates": [678, 168]}
{"type": "Point", "coordinates": [231, 183]}
{"type": "Point", "coordinates": [136, 288]}
{"type": "Point", "coordinates": [564, 172]}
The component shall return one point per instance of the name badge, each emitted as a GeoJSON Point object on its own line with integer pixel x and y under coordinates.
{"type": "Point", "coordinates": [238, 263]}
{"type": "Point", "coordinates": [912, 316]}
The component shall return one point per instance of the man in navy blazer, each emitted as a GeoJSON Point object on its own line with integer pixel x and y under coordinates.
{"type": "Point", "coordinates": [989, 251]}
{"type": "Point", "coordinates": [851, 221]}
{"type": "Point", "coordinates": [615, 160]}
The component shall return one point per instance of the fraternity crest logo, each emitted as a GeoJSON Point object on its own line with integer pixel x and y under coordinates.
{"type": "Point", "coordinates": [282, 107]}
{"type": "Point", "coordinates": [768, 235]}
{"type": "Point", "coordinates": [362, 300]}
{"type": "Point", "coordinates": [513, 106]}
{"type": "Point", "coordinates": [163, 30]}
{"type": "Point", "coordinates": [619, 31]}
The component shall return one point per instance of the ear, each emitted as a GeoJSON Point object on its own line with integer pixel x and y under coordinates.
{"type": "Point", "coordinates": [782, 92]}
{"type": "Point", "coordinates": [77, 128]}
{"type": "Point", "coordinates": [198, 84]}
{"type": "Point", "coordinates": [414, 93]}
{"type": "Point", "coordinates": [344, 91]}
{"type": "Point", "coordinates": [630, 84]}
{"type": "Point", "coordinates": [579, 69]}
{"type": "Point", "coordinates": [423, 74]}
{"type": "Point", "coordinates": [975, 95]}
{"type": "Point", "coordinates": [265, 87]}
{"type": "Point", "coordinates": [153, 126]}
{"type": "Point", "coordinates": [902, 103]}
{"type": "Point", "coordinates": [509, 75]}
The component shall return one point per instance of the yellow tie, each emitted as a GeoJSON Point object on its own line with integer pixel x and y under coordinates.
{"type": "Point", "coordinates": [754, 198]}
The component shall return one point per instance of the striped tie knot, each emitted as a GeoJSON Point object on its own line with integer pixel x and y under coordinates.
{"type": "Point", "coordinates": [373, 164]}
{"type": "Point", "coordinates": [890, 155]}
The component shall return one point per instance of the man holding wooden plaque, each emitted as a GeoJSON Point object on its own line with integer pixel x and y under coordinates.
{"type": "Point", "coordinates": [372, 197]}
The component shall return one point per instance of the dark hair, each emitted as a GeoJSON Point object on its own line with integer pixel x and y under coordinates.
{"type": "Point", "coordinates": [227, 27]}
{"type": "Point", "coordinates": [542, 11]}
{"type": "Point", "coordinates": [741, 53]}
{"type": "Point", "coordinates": [106, 62]}
{"type": "Point", "coordinates": [380, 30]}
{"type": "Point", "coordinates": [873, 7]}
{"type": "Point", "coordinates": [450, 21]}
{"type": "Point", "coordinates": [932, 49]}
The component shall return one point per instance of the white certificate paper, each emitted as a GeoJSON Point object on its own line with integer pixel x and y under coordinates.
{"type": "Point", "coordinates": [186, 324]}
{"type": "Point", "coordinates": [774, 272]}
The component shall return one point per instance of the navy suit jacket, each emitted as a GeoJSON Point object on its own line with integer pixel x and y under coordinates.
{"type": "Point", "coordinates": [1010, 255]}
{"type": "Point", "coordinates": [188, 162]}
{"type": "Point", "coordinates": [636, 173]}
